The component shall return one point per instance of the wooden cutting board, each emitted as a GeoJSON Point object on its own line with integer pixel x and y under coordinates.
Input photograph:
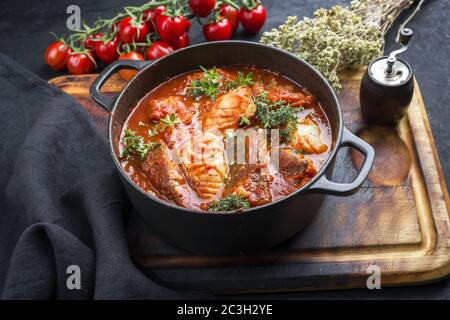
{"type": "Point", "coordinates": [397, 222]}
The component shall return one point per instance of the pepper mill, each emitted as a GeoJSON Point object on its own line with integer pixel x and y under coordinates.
{"type": "Point", "coordinates": [387, 86]}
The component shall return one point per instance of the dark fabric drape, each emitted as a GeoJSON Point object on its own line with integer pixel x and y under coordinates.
{"type": "Point", "coordinates": [61, 201]}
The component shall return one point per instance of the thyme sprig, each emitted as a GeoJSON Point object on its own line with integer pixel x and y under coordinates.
{"type": "Point", "coordinates": [229, 203]}
{"type": "Point", "coordinates": [211, 84]}
{"type": "Point", "coordinates": [208, 85]}
{"type": "Point", "coordinates": [244, 121]}
{"type": "Point", "coordinates": [241, 80]}
{"type": "Point", "coordinates": [278, 114]}
{"type": "Point", "coordinates": [133, 145]}
{"type": "Point", "coordinates": [169, 121]}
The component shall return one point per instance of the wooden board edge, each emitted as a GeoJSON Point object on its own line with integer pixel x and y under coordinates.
{"type": "Point", "coordinates": [59, 79]}
{"type": "Point", "coordinates": [433, 146]}
{"type": "Point", "coordinates": [343, 75]}
{"type": "Point", "coordinates": [322, 283]}
{"type": "Point", "coordinates": [443, 269]}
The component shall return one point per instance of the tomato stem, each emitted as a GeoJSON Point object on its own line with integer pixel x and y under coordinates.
{"type": "Point", "coordinates": [231, 3]}
{"type": "Point", "coordinates": [249, 4]}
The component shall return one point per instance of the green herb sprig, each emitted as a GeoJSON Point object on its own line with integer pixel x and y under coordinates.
{"type": "Point", "coordinates": [208, 85]}
{"type": "Point", "coordinates": [169, 121]}
{"type": "Point", "coordinates": [276, 114]}
{"type": "Point", "coordinates": [133, 145]}
{"type": "Point", "coordinates": [241, 80]}
{"type": "Point", "coordinates": [288, 130]}
{"type": "Point", "coordinates": [244, 121]}
{"type": "Point", "coordinates": [229, 203]}
{"type": "Point", "coordinates": [152, 132]}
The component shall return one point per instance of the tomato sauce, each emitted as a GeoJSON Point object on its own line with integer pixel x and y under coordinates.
{"type": "Point", "coordinates": [190, 112]}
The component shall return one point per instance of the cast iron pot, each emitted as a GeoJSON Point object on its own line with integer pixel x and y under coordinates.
{"type": "Point", "coordinates": [256, 228]}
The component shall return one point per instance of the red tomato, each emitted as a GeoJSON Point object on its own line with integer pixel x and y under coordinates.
{"type": "Point", "coordinates": [170, 28]}
{"type": "Point", "coordinates": [151, 15]}
{"type": "Point", "coordinates": [252, 20]}
{"type": "Point", "coordinates": [220, 30]}
{"type": "Point", "coordinates": [131, 30]}
{"type": "Point", "coordinates": [107, 51]}
{"type": "Point", "coordinates": [157, 50]}
{"type": "Point", "coordinates": [202, 8]}
{"type": "Point", "coordinates": [231, 14]}
{"type": "Point", "coordinates": [89, 43]}
{"type": "Point", "coordinates": [127, 74]}
{"type": "Point", "coordinates": [181, 42]}
{"type": "Point", "coordinates": [80, 63]}
{"type": "Point", "coordinates": [56, 55]}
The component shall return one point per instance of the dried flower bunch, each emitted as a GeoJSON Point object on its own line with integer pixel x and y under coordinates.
{"type": "Point", "coordinates": [338, 38]}
{"type": "Point", "coordinates": [380, 13]}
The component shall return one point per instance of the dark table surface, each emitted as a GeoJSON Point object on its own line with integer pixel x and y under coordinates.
{"type": "Point", "coordinates": [24, 35]}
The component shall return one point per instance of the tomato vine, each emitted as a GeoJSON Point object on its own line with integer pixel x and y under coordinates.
{"type": "Point", "coordinates": [151, 30]}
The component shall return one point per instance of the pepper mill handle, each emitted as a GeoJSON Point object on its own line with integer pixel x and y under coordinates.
{"type": "Point", "coordinates": [405, 35]}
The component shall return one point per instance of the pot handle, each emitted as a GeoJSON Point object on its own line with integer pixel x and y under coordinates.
{"type": "Point", "coordinates": [94, 90]}
{"type": "Point", "coordinates": [342, 189]}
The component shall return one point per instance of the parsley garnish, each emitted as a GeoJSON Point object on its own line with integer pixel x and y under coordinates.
{"type": "Point", "coordinates": [134, 145]}
{"type": "Point", "coordinates": [229, 203]}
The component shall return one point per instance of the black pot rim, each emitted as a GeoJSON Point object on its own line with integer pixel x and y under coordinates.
{"type": "Point", "coordinates": [253, 210]}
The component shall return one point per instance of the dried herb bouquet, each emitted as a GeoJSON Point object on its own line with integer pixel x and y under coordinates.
{"type": "Point", "coordinates": [341, 37]}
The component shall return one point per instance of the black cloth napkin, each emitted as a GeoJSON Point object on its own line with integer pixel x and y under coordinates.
{"type": "Point", "coordinates": [61, 200]}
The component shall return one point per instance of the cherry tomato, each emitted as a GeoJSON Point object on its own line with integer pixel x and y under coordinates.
{"type": "Point", "coordinates": [131, 30]}
{"type": "Point", "coordinates": [89, 43]}
{"type": "Point", "coordinates": [202, 8]}
{"type": "Point", "coordinates": [80, 63]}
{"type": "Point", "coordinates": [252, 20]}
{"type": "Point", "coordinates": [151, 15]}
{"type": "Point", "coordinates": [170, 28]}
{"type": "Point", "coordinates": [181, 42]}
{"type": "Point", "coordinates": [157, 50]}
{"type": "Point", "coordinates": [220, 30]}
{"type": "Point", "coordinates": [231, 14]}
{"type": "Point", "coordinates": [56, 55]}
{"type": "Point", "coordinates": [107, 51]}
{"type": "Point", "coordinates": [127, 74]}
